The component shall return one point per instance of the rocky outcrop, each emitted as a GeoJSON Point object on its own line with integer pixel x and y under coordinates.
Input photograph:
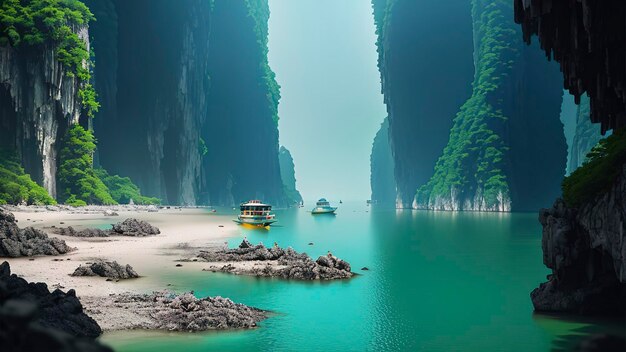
{"type": "Point", "coordinates": [258, 260]}
{"type": "Point", "coordinates": [586, 250]}
{"type": "Point", "coordinates": [426, 74]}
{"type": "Point", "coordinates": [35, 303]}
{"type": "Point", "coordinates": [16, 242]}
{"type": "Point", "coordinates": [381, 165]}
{"type": "Point", "coordinates": [111, 270]}
{"type": "Point", "coordinates": [587, 39]}
{"type": "Point", "coordinates": [490, 162]}
{"type": "Point", "coordinates": [288, 175]}
{"type": "Point", "coordinates": [134, 227]}
{"type": "Point", "coordinates": [169, 311]}
{"type": "Point", "coordinates": [129, 227]}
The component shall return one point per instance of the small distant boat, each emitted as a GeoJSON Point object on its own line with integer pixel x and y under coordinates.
{"type": "Point", "coordinates": [323, 207]}
{"type": "Point", "coordinates": [256, 213]}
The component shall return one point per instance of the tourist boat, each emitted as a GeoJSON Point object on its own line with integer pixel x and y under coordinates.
{"type": "Point", "coordinates": [255, 213]}
{"type": "Point", "coordinates": [323, 207]}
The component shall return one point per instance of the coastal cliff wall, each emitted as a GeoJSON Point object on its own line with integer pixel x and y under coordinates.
{"type": "Point", "coordinates": [381, 164]}
{"type": "Point", "coordinates": [491, 161]}
{"type": "Point", "coordinates": [189, 103]}
{"type": "Point", "coordinates": [38, 102]}
{"type": "Point", "coordinates": [288, 174]}
{"type": "Point", "coordinates": [426, 73]}
{"type": "Point", "coordinates": [241, 130]}
{"type": "Point", "coordinates": [583, 235]}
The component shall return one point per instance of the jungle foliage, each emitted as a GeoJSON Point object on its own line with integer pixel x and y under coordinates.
{"type": "Point", "coordinates": [16, 187]}
{"type": "Point", "coordinates": [601, 168]}
{"type": "Point", "coordinates": [33, 24]}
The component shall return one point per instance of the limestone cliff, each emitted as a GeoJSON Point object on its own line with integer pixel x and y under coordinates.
{"type": "Point", "coordinates": [426, 73]}
{"type": "Point", "coordinates": [288, 175]}
{"type": "Point", "coordinates": [586, 249]}
{"type": "Point", "coordinates": [381, 163]}
{"type": "Point", "coordinates": [38, 101]}
{"type": "Point", "coordinates": [506, 149]}
{"type": "Point", "coordinates": [189, 104]}
{"type": "Point", "coordinates": [586, 136]}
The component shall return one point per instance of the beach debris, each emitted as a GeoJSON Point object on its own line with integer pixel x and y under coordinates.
{"type": "Point", "coordinates": [111, 270]}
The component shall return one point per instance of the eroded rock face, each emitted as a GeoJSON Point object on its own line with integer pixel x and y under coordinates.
{"type": "Point", "coordinates": [16, 242]}
{"type": "Point", "coordinates": [71, 232]}
{"type": "Point", "coordinates": [276, 262]}
{"type": "Point", "coordinates": [586, 250]}
{"type": "Point", "coordinates": [168, 311]}
{"type": "Point", "coordinates": [588, 39]}
{"type": "Point", "coordinates": [34, 319]}
{"type": "Point", "coordinates": [112, 270]}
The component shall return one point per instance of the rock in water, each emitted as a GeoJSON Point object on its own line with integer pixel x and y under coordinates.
{"type": "Point", "coordinates": [111, 270]}
{"type": "Point", "coordinates": [16, 242]}
{"type": "Point", "coordinates": [34, 319]}
{"type": "Point", "coordinates": [134, 227]}
{"type": "Point", "coordinates": [279, 262]}
{"type": "Point", "coordinates": [586, 250]}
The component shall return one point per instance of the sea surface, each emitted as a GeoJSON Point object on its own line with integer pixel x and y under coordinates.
{"type": "Point", "coordinates": [438, 281]}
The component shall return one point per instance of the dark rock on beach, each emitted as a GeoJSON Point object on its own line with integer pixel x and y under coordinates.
{"type": "Point", "coordinates": [16, 242]}
{"type": "Point", "coordinates": [34, 319]}
{"type": "Point", "coordinates": [168, 311]}
{"type": "Point", "coordinates": [277, 262]}
{"type": "Point", "coordinates": [128, 227]}
{"type": "Point", "coordinates": [134, 227]}
{"type": "Point", "coordinates": [111, 270]}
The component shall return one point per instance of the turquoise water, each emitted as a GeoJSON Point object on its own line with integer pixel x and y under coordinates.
{"type": "Point", "coordinates": [438, 281]}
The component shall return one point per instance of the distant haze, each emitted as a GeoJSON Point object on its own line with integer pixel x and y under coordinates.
{"type": "Point", "coordinates": [324, 56]}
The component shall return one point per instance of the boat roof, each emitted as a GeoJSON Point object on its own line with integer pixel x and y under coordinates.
{"type": "Point", "coordinates": [322, 200]}
{"type": "Point", "coordinates": [256, 203]}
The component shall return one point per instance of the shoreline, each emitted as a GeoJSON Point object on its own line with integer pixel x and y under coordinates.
{"type": "Point", "coordinates": [183, 231]}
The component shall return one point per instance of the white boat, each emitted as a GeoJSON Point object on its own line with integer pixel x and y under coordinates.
{"type": "Point", "coordinates": [256, 213]}
{"type": "Point", "coordinates": [323, 207]}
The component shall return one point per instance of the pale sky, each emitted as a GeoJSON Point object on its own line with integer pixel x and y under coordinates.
{"type": "Point", "coordinates": [324, 56]}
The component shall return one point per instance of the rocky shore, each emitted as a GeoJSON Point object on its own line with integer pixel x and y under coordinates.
{"type": "Point", "coordinates": [167, 311]}
{"type": "Point", "coordinates": [16, 242]}
{"type": "Point", "coordinates": [586, 250]}
{"type": "Point", "coordinates": [111, 270]}
{"type": "Point", "coordinates": [129, 227]}
{"type": "Point", "coordinates": [34, 319]}
{"type": "Point", "coordinates": [258, 260]}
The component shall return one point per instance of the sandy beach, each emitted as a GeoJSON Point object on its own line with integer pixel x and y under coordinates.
{"type": "Point", "coordinates": [183, 232]}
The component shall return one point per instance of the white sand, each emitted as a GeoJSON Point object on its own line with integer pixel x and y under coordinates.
{"type": "Point", "coordinates": [183, 232]}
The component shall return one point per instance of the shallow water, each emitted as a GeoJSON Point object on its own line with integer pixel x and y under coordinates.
{"type": "Point", "coordinates": [437, 281]}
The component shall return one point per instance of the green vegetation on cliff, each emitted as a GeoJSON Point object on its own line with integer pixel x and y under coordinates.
{"type": "Point", "coordinates": [586, 135]}
{"type": "Point", "coordinates": [602, 166]}
{"type": "Point", "coordinates": [77, 181]}
{"type": "Point", "coordinates": [122, 189]}
{"type": "Point", "coordinates": [473, 160]}
{"type": "Point", "coordinates": [16, 187]}
{"type": "Point", "coordinates": [37, 23]}
{"type": "Point", "coordinates": [259, 10]}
